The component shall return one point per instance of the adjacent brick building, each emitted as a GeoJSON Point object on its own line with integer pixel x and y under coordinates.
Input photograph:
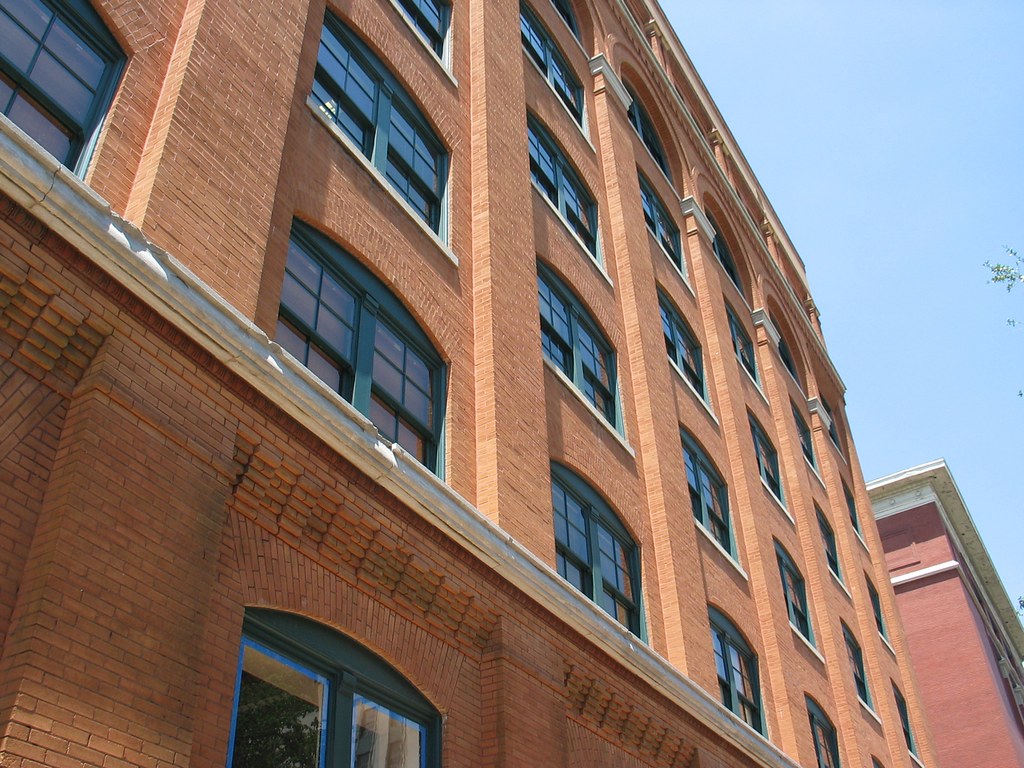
{"type": "Point", "coordinates": [962, 632]}
{"type": "Point", "coordinates": [338, 424]}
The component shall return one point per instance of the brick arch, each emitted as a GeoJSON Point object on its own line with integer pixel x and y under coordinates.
{"type": "Point", "coordinates": [794, 341]}
{"type": "Point", "coordinates": [728, 231]}
{"type": "Point", "coordinates": [634, 80]}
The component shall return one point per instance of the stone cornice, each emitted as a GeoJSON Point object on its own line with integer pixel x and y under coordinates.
{"type": "Point", "coordinates": [599, 65]}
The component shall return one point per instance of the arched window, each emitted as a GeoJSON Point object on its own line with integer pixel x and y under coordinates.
{"type": "Point", "coordinates": [860, 678]}
{"type": "Point", "coordinates": [661, 224]}
{"type": "Point", "coordinates": [804, 431]}
{"type": "Point", "coordinates": [794, 592]}
{"type": "Point", "coordinates": [593, 550]}
{"type": "Point", "coordinates": [549, 60]}
{"type": "Point", "coordinates": [709, 497]}
{"type": "Point", "coordinates": [737, 671]}
{"type": "Point", "coordinates": [309, 697]}
{"type": "Point", "coordinates": [823, 734]}
{"type": "Point", "coordinates": [644, 126]}
{"type": "Point", "coordinates": [58, 68]}
{"type": "Point", "coordinates": [767, 460]}
{"type": "Point", "coordinates": [356, 92]}
{"type": "Point", "coordinates": [682, 346]}
{"type": "Point", "coordinates": [828, 540]}
{"type": "Point", "coordinates": [350, 330]}
{"type": "Point", "coordinates": [724, 255]}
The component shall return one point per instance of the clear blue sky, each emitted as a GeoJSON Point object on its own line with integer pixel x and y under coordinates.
{"type": "Point", "coordinates": [890, 139]}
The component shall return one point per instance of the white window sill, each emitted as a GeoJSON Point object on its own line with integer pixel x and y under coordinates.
{"type": "Point", "coordinates": [591, 257]}
{"type": "Point", "coordinates": [808, 643]}
{"type": "Point", "coordinates": [814, 470]}
{"type": "Point", "coordinates": [679, 270]}
{"type": "Point", "coordinates": [583, 126]}
{"type": "Point", "coordinates": [693, 390]}
{"type": "Point", "coordinates": [620, 439]}
{"type": "Point", "coordinates": [779, 503]}
{"type": "Point", "coordinates": [370, 168]}
{"type": "Point", "coordinates": [860, 538]}
{"type": "Point", "coordinates": [443, 62]}
{"type": "Point", "coordinates": [839, 583]}
{"type": "Point", "coordinates": [754, 381]}
{"type": "Point", "coordinates": [915, 758]}
{"type": "Point", "coordinates": [868, 710]}
{"type": "Point", "coordinates": [731, 560]}
{"type": "Point", "coordinates": [885, 641]}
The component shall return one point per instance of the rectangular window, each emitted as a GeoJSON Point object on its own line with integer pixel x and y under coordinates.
{"type": "Point", "coordinates": [794, 593]}
{"type": "Point", "coordinates": [431, 18]}
{"type": "Point", "coordinates": [767, 459]}
{"type": "Point", "coordinates": [806, 441]}
{"type": "Point", "coordinates": [851, 505]}
{"type": "Point", "coordinates": [741, 344]}
{"type": "Point", "coordinates": [682, 346]}
{"type": "Point", "coordinates": [860, 678]}
{"type": "Point", "coordinates": [901, 707]}
{"type": "Point", "coordinates": [549, 60]}
{"type": "Point", "coordinates": [876, 607]}
{"type": "Point", "coordinates": [828, 538]}
{"type": "Point", "coordinates": [708, 496]}
{"type": "Point", "coordinates": [660, 224]}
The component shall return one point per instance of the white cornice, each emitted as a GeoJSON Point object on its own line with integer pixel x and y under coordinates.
{"type": "Point", "coordinates": [599, 65]}
{"type": "Point", "coordinates": [33, 179]}
{"type": "Point", "coordinates": [814, 405]}
{"type": "Point", "coordinates": [761, 318]}
{"type": "Point", "coordinates": [924, 573]}
{"type": "Point", "coordinates": [691, 207]}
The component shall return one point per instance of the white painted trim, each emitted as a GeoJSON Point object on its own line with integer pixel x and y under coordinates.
{"type": "Point", "coordinates": [681, 271]}
{"type": "Point", "coordinates": [915, 758]}
{"type": "Point", "coordinates": [885, 641]}
{"type": "Point", "coordinates": [619, 437]}
{"type": "Point", "coordinates": [693, 389]}
{"type": "Point", "coordinates": [690, 207]}
{"type": "Point", "coordinates": [805, 641]}
{"type": "Point", "coordinates": [583, 127]}
{"type": "Point", "coordinates": [814, 469]}
{"type": "Point", "coordinates": [593, 258]}
{"type": "Point", "coordinates": [62, 202]}
{"type": "Point", "coordinates": [599, 65]}
{"type": "Point", "coordinates": [814, 405]}
{"type": "Point", "coordinates": [839, 581]}
{"type": "Point", "coordinates": [869, 710]}
{"type": "Point", "coordinates": [732, 561]}
{"type": "Point", "coordinates": [761, 318]}
{"type": "Point", "coordinates": [444, 61]}
{"type": "Point", "coordinates": [923, 573]}
{"type": "Point", "coordinates": [778, 502]}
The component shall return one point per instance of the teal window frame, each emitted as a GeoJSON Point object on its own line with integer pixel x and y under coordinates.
{"type": "Point", "coordinates": [682, 346]}
{"type": "Point", "coordinates": [767, 460]}
{"type": "Point", "coordinates": [593, 550]}
{"type": "Point", "coordinates": [742, 345]}
{"type": "Point", "coordinates": [554, 177]}
{"type": "Point", "coordinates": [904, 713]}
{"type": "Point", "coordinates": [348, 673]}
{"type": "Point", "coordinates": [794, 592]}
{"type": "Point", "coordinates": [833, 430]}
{"type": "Point", "coordinates": [574, 344]}
{"type": "Point", "coordinates": [564, 9]}
{"type": "Point", "coordinates": [806, 439]}
{"type": "Point", "coordinates": [876, 608]}
{"type": "Point", "coordinates": [355, 91]}
{"type": "Point", "coordinates": [709, 495]}
{"type": "Point", "coordinates": [641, 121]}
{"type": "Point", "coordinates": [851, 506]}
{"type": "Point", "coordinates": [724, 255]}
{"type": "Point", "coordinates": [786, 356]}
{"type": "Point", "coordinates": [431, 19]}
{"type": "Point", "coordinates": [856, 656]}
{"type": "Point", "coordinates": [736, 664]}
{"type": "Point", "coordinates": [540, 45]}
{"type": "Point", "coordinates": [660, 224]}
{"type": "Point", "coordinates": [823, 736]}
{"type": "Point", "coordinates": [828, 539]}
{"type": "Point", "coordinates": [58, 75]}
{"type": "Point", "coordinates": [363, 345]}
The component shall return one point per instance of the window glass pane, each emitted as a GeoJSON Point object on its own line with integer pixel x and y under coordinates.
{"type": "Point", "coordinates": [382, 738]}
{"type": "Point", "coordinates": [72, 51]}
{"type": "Point", "coordinates": [292, 341]}
{"type": "Point", "coordinates": [325, 369]}
{"type": "Point", "coordinates": [280, 715]}
{"type": "Point", "coordinates": [31, 14]}
{"type": "Point", "coordinates": [19, 46]}
{"type": "Point", "coordinates": [299, 300]}
{"type": "Point", "coordinates": [62, 86]}
{"type": "Point", "coordinates": [38, 124]}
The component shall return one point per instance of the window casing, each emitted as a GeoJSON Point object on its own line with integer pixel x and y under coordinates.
{"type": "Point", "coordinates": [557, 180]}
{"type": "Point", "coordinates": [901, 707]}
{"type": "Point", "coordinates": [709, 497]}
{"type": "Point", "coordinates": [660, 224]}
{"type": "Point", "coordinates": [431, 18]}
{"type": "Point", "coordinates": [574, 345]}
{"type": "Point", "coordinates": [767, 459]}
{"type": "Point", "coordinates": [540, 45]}
{"type": "Point", "coordinates": [806, 441]}
{"type": "Point", "coordinates": [856, 656]}
{"type": "Point", "coordinates": [741, 344]}
{"type": "Point", "coordinates": [564, 8]}
{"type": "Point", "coordinates": [355, 91]}
{"type": "Point", "coordinates": [876, 608]}
{"type": "Point", "coordinates": [851, 505]}
{"type": "Point", "coordinates": [724, 255]}
{"type": "Point", "coordinates": [644, 126]}
{"type": "Point", "coordinates": [309, 697]}
{"type": "Point", "coordinates": [828, 539]}
{"type": "Point", "coordinates": [343, 324]}
{"type": "Point", "coordinates": [59, 66]}
{"type": "Point", "coordinates": [682, 346]}
{"type": "Point", "coordinates": [737, 671]}
{"type": "Point", "coordinates": [794, 592]}
{"type": "Point", "coordinates": [593, 550]}
{"type": "Point", "coordinates": [823, 734]}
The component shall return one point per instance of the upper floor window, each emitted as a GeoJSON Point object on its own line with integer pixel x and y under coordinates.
{"type": "Point", "coordinates": [557, 180]}
{"type": "Point", "coordinates": [644, 126]}
{"type": "Point", "coordinates": [593, 550]}
{"type": "Point", "coordinates": [682, 346]}
{"type": "Point", "coordinates": [851, 506]}
{"type": "Point", "coordinates": [431, 18]}
{"type": "Point", "coordinates": [58, 68]}
{"type": "Point", "coordinates": [901, 708]}
{"type": "Point", "coordinates": [572, 342]}
{"type": "Point", "coordinates": [876, 608]}
{"type": "Point", "coordinates": [309, 697]}
{"type": "Point", "coordinates": [823, 734]}
{"type": "Point", "coordinates": [356, 92]}
{"type": "Point", "coordinates": [833, 430]}
{"type": "Point", "coordinates": [737, 671]}
{"type": "Point", "coordinates": [794, 592]}
{"type": "Point", "coordinates": [856, 656]}
{"type": "Point", "coordinates": [767, 459]}
{"type": "Point", "coordinates": [806, 442]}
{"type": "Point", "coordinates": [724, 255]}
{"type": "Point", "coordinates": [349, 330]}
{"type": "Point", "coordinates": [741, 344]}
{"type": "Point", "coordinates": [660, 224]}
{"type": "Point", "coordinates": [564, 8]}
{"type": "Point", "coordinates": [828, 539]}
{"type": "Point", "coordinates": [786, 355]}
{"type": "Point", "coordinates": [542, 49]}
{"type": "Point", "coordinates": [709, 498]}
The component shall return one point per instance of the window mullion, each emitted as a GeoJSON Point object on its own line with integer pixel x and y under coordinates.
{"type": "Point", "coordinates": [362, 376]}
{"type": "Point", "coordinates": [382, 130]}
{"type": "Point", "coordinates": [577, 358]}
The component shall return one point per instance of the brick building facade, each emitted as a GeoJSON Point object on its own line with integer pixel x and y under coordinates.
{"type": "Point", "coordinates": [338, 420]}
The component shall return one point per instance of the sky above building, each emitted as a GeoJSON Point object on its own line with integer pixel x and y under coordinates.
{"type": "Point", "coordinates": [889, 138]}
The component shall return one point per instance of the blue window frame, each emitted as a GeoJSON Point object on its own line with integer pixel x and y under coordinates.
{"type": "Point", "coordinates": [828, 539]}
{"type": "Point", "coordinates": [681, 345]}
{"type": "Point", "coordinates": [876, 608]}
{"type": "Point", "coordinates": [901, 708]}
{"type": "Point", "coordinates": [851, 506]}
{"type": "Point", "coordinates": [564, 8]}
{"type": "Point", "coordinates": [823, 734]}
{"type": "Point", "coordinates": [309, 697]}
{"type": "Point", "coordinates": [660, 224]}
{"type": "Point", "coordinates": [806, 441]}
{"type": "Point", "coordinates": [348, 329]}
{"type": "Point", "coordinates": [736, 664]}
{"type": "Point", "coordinates": [431, 18]}
{"type": "Point", "coordinates": [724, 255]}
{"type": "Point", "coordinates": [767, 459]}
{"type": "Point", "coordinates": [572, 342]}
{"type": "Point", "coordinates": [856, 656]}
{"type": "Point", "coordinates": [58, 68]}
{"type": "Point", "coordinates": [355, 91]}
{"type": "Point", "coordinates": [741, 344]}
{"type": "Point", "coordinates": [542, 49]}
{"type": "Point", "coordinates": [593, 550]}
{"type": "Point", "coordinates": [641, 121]}
{"type": "Point", "coordinates": [557, 180]}
{"type": "Point", "coordinates": [794, 592]}
{"type": "Point", "coordinates": [709, 497]}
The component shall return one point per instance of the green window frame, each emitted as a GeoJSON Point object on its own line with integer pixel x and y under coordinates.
{"type": "Point", "coordinates": [593, 550]}
{"type": "Point", "coordinates": [823, 735]}
{"type": "Point", "coordinates": [736, 665]}
{"type": "Point", "coordinates": [541, 47]}
{"type": "Point", "coordinates": [828, 539]}
{"type": "Point", "coordinates": [856, 656]}
{"type": "Point", "coordinates": [355, 91]}
{"type": "Point", "coordinates": [564, 9]}
{"type": "Point", "coordinates": [904, 713]}
{"type": "Point", "coordinates": [343, 324]}
{"type": "Point", "coordinates": [59, 67]}
{"type": "Point", "coordinates": [709, 495]}
{"type": "Point", "coordinates": [660, 223]}
{"type": "Point", "coordinates": [876, 608]}
{"type": "Point", "coordinates": [307, 696]}
{"type": "Point", "coordinates": [555, 178]}
{"type": "Point", "coordinates": [682, 346]}
{"type": "Point", "coordinates": [767, 459]}
{"type": "Point", "coordinates": [741, 344]}
{"type": "Point", "coordinates": [572, 342]}
{"type": "Point", "coordinates": [641, 121]}
{"type": "Point", "coordinates": [794, 592]}
{"type": "Point", "coordinates": [806, 439]}
{"type": "Point", "coordinates": [431, 19]}
{"type": "Point", "coordinates": [724, 255]}
{"type": "Point", "coordinates": [851, 505]}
